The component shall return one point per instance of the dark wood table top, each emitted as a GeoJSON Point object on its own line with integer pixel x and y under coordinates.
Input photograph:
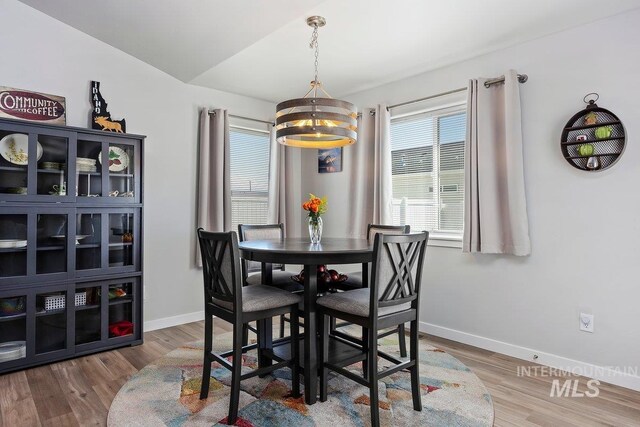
{"type": "Point", "coordinates": [301, 251]}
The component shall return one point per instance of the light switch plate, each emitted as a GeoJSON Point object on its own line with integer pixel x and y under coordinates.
{"type": "Point", "coordinates": [586, 322]}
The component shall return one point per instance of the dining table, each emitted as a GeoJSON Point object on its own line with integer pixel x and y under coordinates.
{"type": "Point", "coordinates": [301, 251]}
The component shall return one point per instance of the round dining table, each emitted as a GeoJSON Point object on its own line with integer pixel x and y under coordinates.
{"type": "Point", "coordinates": [301, 251]}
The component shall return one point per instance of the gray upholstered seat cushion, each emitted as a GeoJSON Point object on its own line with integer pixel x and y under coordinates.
{"type": "Point", "coordinates": [356, 302]}
{"type": "Point", "coordinates": [258, 297]}
{"type": "Point", "coordinates": [280, 279]}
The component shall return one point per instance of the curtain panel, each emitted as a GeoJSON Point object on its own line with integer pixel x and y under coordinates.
{"type": "Point", "coordinates": [369, 171]}
{"type": "Point", "coordinates": [214, 174]}
{"type": "Point", "coordinates": [495, 208]}
{"type": "Point", "coordinates": [280, 207]}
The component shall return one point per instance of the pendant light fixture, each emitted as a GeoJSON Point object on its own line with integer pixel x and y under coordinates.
{"type": "Point", "coordinates": [315, 121]}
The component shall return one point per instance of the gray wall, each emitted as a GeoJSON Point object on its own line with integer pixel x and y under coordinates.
{"type": "Point", "coordinates": [584, 226]}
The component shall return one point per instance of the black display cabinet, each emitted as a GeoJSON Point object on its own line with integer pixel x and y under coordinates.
{"type": "Point", "coordinates": [71, 210]}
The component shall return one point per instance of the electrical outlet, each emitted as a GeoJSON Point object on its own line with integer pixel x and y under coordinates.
{"type": "Point", "coordinates": [586, 322]}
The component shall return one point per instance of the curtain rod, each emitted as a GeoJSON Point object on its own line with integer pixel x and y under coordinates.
{"type": "Point", "coordinates": [521, 78]}
{"type": "Point", "coordinates": [212, 112]}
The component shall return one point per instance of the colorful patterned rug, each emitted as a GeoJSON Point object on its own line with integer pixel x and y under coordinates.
{"type": "Point", "coordinates": [166, 392]}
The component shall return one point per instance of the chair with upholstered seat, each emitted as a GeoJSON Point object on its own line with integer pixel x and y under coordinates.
{"type": "Point", "coordinates": [393, 298]}
{"type": "Point", "coordinates": [280, 278]}
{"type": "Point", "coordinates": [227, 299]}
{"type": "Point", "coordinates": [355, 282]}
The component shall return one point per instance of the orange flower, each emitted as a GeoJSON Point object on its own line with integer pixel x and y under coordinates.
{"type": "Point", "coordinates": [314, 208]}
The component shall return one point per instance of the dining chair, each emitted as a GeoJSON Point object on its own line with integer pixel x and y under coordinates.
{"type": "Point", "coordinates": [393, 298]}
{"type": "Point", "coordinates": [281, 278]}
{"type": "Point", "coordinates": [227, 299]}
{"type": "Point", "coordinates": [354, 281]}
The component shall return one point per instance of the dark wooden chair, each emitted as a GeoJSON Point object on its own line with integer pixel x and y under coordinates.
{"type": "Point", "coordinates": [227, 299]}
{"type": "Point", "coordinates": [355, 282]}
{"type": "Point", "coordinates": [392, 299]}
{"type": "Point", "coordinates": [280, 277]}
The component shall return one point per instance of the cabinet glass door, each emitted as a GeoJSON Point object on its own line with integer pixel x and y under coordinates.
{"type": "Point", "coordinates": [14, 160]}
{"type": "Point", "coordinates": [88, 312]}
{"type": "Point", "coordinates": [51, 253]}
{"type": "Point", "coordinates": [51, 321]}
{"type": "Point", "coordinates": [13, 245]}
{"type": "Point", "coordinates": [13, 328]}
{"type": "Point", "coordinates": [52, 176]}
{"type": "Point", "coordinates": [88, 241]}
{"type": "Point", "coordinates": [121, 236]}
{"type": "Point", "coordinates": [88, 169]}
{"type": "Point", "coordinates": [121, 309]}
{"type": "Point", "coordinates": [121, 166]}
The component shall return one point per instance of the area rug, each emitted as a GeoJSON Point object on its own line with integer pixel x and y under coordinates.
{"type": "Point", "coordinates": [166, 392]}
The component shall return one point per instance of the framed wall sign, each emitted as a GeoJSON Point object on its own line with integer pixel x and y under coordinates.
{"type": "Point", "coordinates": [32, 106]}
{"type": "Point", "coordinates": [330, 160]}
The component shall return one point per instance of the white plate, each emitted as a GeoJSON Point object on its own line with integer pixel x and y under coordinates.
{"type": "Point", "coordinates": [15, 149]}
{"type": "Point", "coordinates": [12, 350]}
{"type": "Point", "coordinates": [13, 243]}
{"type": "Point", "coordinates": [116, 154]}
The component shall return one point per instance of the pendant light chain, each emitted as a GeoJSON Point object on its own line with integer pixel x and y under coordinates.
{"type": "Point", "coordinates": [314, 45]}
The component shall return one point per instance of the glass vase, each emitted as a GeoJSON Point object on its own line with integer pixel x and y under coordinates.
{"type": "Point", "coordinates": [315, 229]}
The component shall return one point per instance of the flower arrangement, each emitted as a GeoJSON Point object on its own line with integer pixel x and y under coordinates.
{"type": "Point", "coordinates": [316, 206]}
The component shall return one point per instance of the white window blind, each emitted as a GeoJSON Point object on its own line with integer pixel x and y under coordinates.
{"type": "Point", "coordinates": [428, 171]}
{"type": "Point", "coordinates": [249, 176]}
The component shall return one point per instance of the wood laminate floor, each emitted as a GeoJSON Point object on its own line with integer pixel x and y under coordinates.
{"type": "Point", "coordinates": [80, 391]}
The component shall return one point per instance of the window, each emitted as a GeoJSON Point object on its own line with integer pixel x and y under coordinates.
{"type": "Point", "coordinates": [427, 152]}
{"type": "Point", "coordinates": [249, 176]}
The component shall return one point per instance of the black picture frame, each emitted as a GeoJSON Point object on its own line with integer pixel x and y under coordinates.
{"type": "Point", "coordinates": [330, 160]}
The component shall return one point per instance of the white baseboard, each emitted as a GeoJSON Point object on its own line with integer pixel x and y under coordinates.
{"type": "Point", "coordinates": [167, 322]}
{"type": "Point", "coordinates": [606, 374]}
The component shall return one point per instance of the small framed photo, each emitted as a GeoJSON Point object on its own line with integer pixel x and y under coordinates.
{"type": "Point", "coordinates": [330, 160]}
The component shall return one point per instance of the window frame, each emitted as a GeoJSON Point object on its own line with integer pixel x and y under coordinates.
{"type": "Point", "coordinates": [252, 131]}
{"type": "Point", "coordinates": [438, 237]}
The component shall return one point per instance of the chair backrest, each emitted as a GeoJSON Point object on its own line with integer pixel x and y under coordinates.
{"type": "Point", "coordinates": [374, 229]}
{"type": "Point", "coordinates": [397, 269]}
{"type": "Point", "coordinates": [221, 267]}
{"type": "Point", "coordinates": [259, 232]}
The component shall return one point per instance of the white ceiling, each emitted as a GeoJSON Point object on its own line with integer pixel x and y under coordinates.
{"type": "Point", "coordinates": [261, 48]}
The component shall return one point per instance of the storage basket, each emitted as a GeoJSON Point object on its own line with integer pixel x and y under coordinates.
{"type": "Point", "coordinates": [81, 298]}
{"type": "Point", "coordinates": [54, 302]}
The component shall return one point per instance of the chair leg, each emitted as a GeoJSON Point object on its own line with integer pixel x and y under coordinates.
{"type": "Point", "coordinates": [206, 363]}
{"type": "Point", "coordinates": [402, 342]}
{"type": "Point", "coordinates": [245, 334]}
{"type": "Point", "coordinates": [324, 355]}
{"type": "Point", "coordinates": [282, 326]}
{"type": "Point", "coordinates": [295, 352]}
{"type": "Point", "coordinates": [236, 372]}
{"type": "Point", "coordinates": [365, 346]}
{"type": "Point", "coordinates": [415, 374]}
{"type": "Point", "coordinates": [372, 363]}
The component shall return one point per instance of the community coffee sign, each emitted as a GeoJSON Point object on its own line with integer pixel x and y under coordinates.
{"type": "Point", "coordinates": [32, 106]}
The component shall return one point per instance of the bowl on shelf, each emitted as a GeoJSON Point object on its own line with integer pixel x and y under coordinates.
{"type": "Point", "coordinates": [12, 306]}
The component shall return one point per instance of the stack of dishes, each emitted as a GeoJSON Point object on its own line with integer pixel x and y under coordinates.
{"type": "Point", "coordinates": [84, 164]}
{"type": "Point", "coordinates": [12, 243]}
{"type": "Point", "coordinates": [12, 350]}
{"type": "Point", "coordinates": [52, 165]}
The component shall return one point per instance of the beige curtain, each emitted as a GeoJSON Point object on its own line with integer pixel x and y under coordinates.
{"type": "Point", "coordinates": [280, 207]}
{"type": "Point", "coordinates": [214, 175]}
{"type": "Point", "coordinates": [369, 166]}
{"type": "Point", "coordinates": [495, 209]}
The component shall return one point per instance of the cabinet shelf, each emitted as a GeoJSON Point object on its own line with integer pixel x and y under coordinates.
{"type": "Point", "coordinates": [122, 244]}
{"type": "Point", "coordinates": [10, 250]}
{"type": "Point", "coordinates": [51, 248]}
{"type": "Point", "coordinates": [13, 168]}
{"type": "Point", "coordinates": [13, 317]}
{"type": "Point", "coordinates": [122, 300]}
{"type": "Point", "coordinates": [88, 246]}
{"type": "Point", "coordinates": [120, 175]}
{"type": "Point", "coordinates": [87, 307]}
{"type": "Point", "coordinates": [46, 313]}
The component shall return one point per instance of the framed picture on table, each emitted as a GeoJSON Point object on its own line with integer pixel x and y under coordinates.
{"type": "Point", "coordinates": [330, 160]}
